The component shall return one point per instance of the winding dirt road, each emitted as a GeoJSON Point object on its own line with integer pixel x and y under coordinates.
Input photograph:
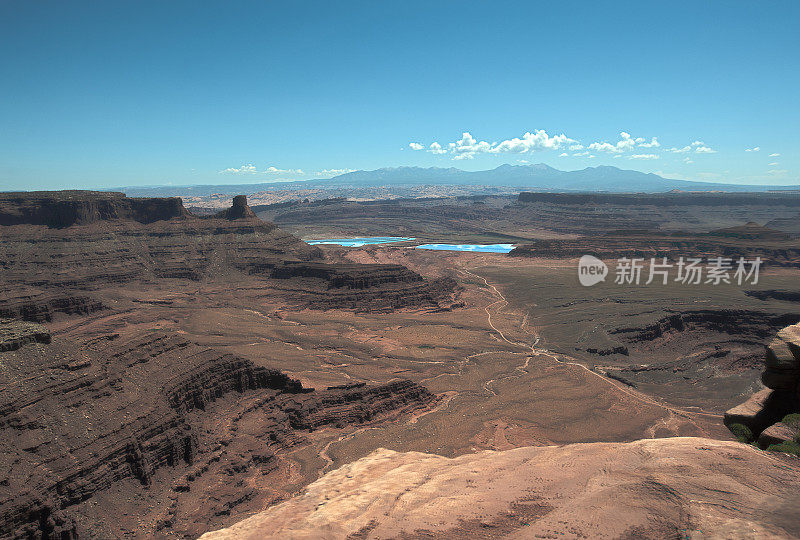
{"type": "Point", "coordinates": [541, 351]}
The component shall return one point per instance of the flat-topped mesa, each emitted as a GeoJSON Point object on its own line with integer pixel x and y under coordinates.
{"type": "Point", "coordinates": [771, 416]}
{"type": "Point", "coordinates": [60, 209]}
{"type": "Point", "coordinates": [677, 198]}
{"type": "Point", "coordinates": [88, 239]}
{"type": "Point", "coordinates": [774, 248]}
{"type": "Point", "coordinates": [85, 241]}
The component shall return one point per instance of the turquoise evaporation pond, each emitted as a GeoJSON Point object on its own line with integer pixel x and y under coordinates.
{"type": "Point", "coordinates": [479, 248]}
{"type": "Point", "coordinates": [359, 242]}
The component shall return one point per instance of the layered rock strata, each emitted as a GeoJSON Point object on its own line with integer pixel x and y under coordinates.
{"type": "Point", "coordinates": [59, 209]}
{"type": "Point", "coordinates": [75, 419]}
{"type": "Point", "coordinates": [56, 248]}
{"type": "Point", "coordinates": [773, 247]}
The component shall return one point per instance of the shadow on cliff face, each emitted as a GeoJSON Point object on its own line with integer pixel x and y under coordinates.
{"type": "Point", "coordinates": [771, 417]}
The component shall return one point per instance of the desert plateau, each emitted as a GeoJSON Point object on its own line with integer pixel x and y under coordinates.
{"type": "Point", "coordinates": [350, 270]}
{"type": "Point", "coordinates": [183, 373]}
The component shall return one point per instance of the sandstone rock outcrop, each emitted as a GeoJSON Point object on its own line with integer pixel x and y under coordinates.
{"type": "Point", "coordinates": [56, 248]}
{"type": "Point", "coordinates": [61, 209]}
{"type": "Point", "coordinates": [657, 488]}
{"type": "Point", "coordinates": [789, 225]}
{"type": "Point", "coordinates": [238, 209]}
{"type": "Point", "coordinates": [763, 412]}
{"type": "Point", "coordinates": [14, 334]}
{"type": "Point", "coordinates": [782, 363]}
{"type": "Point", "coordinates": [760, 411]}
{"type": "Point", "coordinates": [115, 249]}
{"type": "Point", "coordinates": [362, 286]}
{"type": "Point", "coordinates": [776, 434]}
{"type": "Point", "coordinates": [40, 305]}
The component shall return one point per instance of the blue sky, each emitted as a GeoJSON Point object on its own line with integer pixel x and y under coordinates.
{"type": "Point", "coordinates": [101, 94]}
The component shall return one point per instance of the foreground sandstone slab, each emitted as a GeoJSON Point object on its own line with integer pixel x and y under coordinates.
{"type": "Point", "coordinates": [653, 488]}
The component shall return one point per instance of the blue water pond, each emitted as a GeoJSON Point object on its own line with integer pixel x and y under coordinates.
{"type": "Point", "coordinates": [480, 248]}
{"type": "Point", "coordinates": [360, 242]}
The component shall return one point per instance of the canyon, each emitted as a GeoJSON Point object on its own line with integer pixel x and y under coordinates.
{"type": "Point", "coordinates": [168, 372]}
{"type": "Point", "coordinates": [88, 410]}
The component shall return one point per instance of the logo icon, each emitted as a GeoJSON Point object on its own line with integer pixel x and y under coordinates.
{"type": "Point", "coordinates": [591, 270]}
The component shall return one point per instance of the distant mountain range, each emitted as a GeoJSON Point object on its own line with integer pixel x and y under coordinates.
{"type": "Point", "coordinates": [539, 177]}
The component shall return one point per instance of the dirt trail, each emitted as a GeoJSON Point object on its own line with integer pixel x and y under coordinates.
{"type": "Point", "coordinates": [541, 351]}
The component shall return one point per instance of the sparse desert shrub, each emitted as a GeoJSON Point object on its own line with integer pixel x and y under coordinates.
{"type": "Point", "coordinates": [741, 432]}
{"type": "Point", "coordinates": [789, 447]}
{"type": "Point", "coordinates": [792, 420]}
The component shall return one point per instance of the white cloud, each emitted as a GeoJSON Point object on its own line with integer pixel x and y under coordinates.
{"type": "Point", "coordinates": [244, 169]}
{"type": "Point", "coordinates": [679, 150]}
{"type": "Point", "coordinates": [687, 160]}
{"type": "Point", "coordinates": [523, 161]}
{"type": "Point", "coordinates": [626, 143]}
{"type": "Point", "coordinates": [251, 169]}
{"type": "Point", "coordinates": [652, 144]}
{"type": "Point", "coordinates": [777, 172]}
{"type": "Point", "coordinates": [754, 149]}
{"type": "Point", "coordinates": [704, 150]}
{"type": "Point", "coordinates": [530, 142]}
{"type": "Point", "coordinates": [699, 147]}
{"type": "Point", "coordinates": [275, 170]}
{"type": "Point", "coordinates": [604, 147]}
{"type": "Point", "coordinates": [775, 155]}
{"type": "Point", "coordinates": [775, 164]}
{"type": "Point", "coordinates": [468, 146]}
{"type": "Point", "coordinates": [436, 148]}
{"type": "Point", "coordinates": [334, 172]}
